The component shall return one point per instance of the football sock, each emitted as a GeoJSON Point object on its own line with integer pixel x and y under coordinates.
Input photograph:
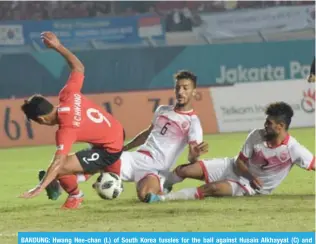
{"type": "Point", "coordinates": [83, 177]}
{"type": "Point", "coordinates": [173, 178]}
{"type": "Point", "coordinates": [185, 194]}
{"type": "Point", "coordinates": [69, 184]}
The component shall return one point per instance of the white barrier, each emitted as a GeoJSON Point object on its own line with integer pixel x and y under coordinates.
{"type": "Point", "coordinates": [241, 107]}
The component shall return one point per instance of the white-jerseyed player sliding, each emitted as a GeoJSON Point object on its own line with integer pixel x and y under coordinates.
{"type": "Point", "coordinates": [265, 160]}
{"type": "Point", "coordinates": [172, 129]}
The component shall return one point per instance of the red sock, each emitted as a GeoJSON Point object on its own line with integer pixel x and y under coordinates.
{"type": "Point", "coordinates": [69, 184]}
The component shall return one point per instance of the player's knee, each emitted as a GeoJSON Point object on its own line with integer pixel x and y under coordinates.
{"type": "Point", "coordinates": [150, 184]}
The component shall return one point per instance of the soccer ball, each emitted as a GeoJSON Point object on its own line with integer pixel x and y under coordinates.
{"type": "Point", "coordinates": [108, 186]}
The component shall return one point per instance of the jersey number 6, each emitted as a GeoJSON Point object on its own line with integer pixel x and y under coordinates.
{"type": "Point", "coordinates": [264, 166]}
{"type": "Point", "coordinates": [97, 117]}
{"type": "Point", "coordinates": [164, 128]}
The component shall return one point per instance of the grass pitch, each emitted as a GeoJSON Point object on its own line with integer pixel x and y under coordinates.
{"type": "Point", "coordinates": [290, 208]}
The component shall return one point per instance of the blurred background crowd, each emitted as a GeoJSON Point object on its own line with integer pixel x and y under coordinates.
{"type": "Point", "coordinates": [31, 10]}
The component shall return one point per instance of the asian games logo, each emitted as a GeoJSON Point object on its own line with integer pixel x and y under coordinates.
{"type": "Point", "coordinates": [308, 101]}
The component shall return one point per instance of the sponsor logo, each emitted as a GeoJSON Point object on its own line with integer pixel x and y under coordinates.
{"type": "Point", "coordinates": [308, 101]}
{"type": "Point", "coordinates": [264, 73]}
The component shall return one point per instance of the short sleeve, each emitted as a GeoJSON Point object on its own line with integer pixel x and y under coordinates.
{"type": "Point", "coordinates": [73, 84]}
{"type": "Point", "coordinates": [65, 137]}
{"type": "Point", "coordinates": [156, 114]}
{"type": "Point", "coordinates": [302, 157]}
{"type": "Point", "coordinates": [248, 147]}
{"type": "Point", "coordinates": [195, 134]}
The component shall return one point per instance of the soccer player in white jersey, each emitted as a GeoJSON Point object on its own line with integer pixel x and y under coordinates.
{"type": "Point", "coordinates": [265, 160]}
{"type": "Point", "coordinates": [171, 130]}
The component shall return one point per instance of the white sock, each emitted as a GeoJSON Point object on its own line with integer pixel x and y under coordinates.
{"type": "Point", "coordinates": [81, 178]}
{"type": "Point", "coordinates": [77, 195]}
{"type": "Point", "coordinates": [185, 194]}
{"type": "Point", "coordinates": [173, 178]}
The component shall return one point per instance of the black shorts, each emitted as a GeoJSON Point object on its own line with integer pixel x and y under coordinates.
{"type": "Point", "coordinates": [97, 159]}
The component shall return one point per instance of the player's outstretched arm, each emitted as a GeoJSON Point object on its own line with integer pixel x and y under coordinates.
{"type": "Point", "coordinates": [139, 139]}
{"type": "Point", "coordinates": [52, 172]}
{"type": "Point", "coordinates": [52, 41]}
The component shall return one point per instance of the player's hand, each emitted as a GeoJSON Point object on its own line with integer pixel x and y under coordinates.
{"type": "Point", "coordinates": [311, 78]}
{"type": "Point", "coordinates": [256, 183]}
{"type": "Point", "coordinates": [199, 149]}
{"type": "Point", "coordinates": [32, 193]}
{"type": "Point", "coordinates": [50, 39]}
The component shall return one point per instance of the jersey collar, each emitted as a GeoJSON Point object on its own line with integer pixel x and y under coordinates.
{"type": "Point", "coordinates": [190, 112]}
{"type": "Point", "coordinates": [284, 142]}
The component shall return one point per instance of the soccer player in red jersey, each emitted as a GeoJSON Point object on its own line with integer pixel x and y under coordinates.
{"type": "Point", "coordinates": [78, 120]}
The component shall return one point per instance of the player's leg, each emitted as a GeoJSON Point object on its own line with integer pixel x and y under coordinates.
{"type": "Point", "coordinates": [223, 188]}
{"type": "Point", "coordinates": [68, 179]}
{"type": "Point", "coordinates": [181, 172]}
{"type": "Point", "coordinates": [139, 167]}
{"type": "Point", "coordinates": [220, 181]}
{"type": "Point", "coordinates": [88, 161]}
{"type": "Point", "coordinates": [208, 170]}
{"type": "Point", "coordinates": [67, 183]}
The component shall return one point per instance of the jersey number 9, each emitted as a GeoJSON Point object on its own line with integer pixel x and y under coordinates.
{"type": "Point", "coordinates": [97, 117]}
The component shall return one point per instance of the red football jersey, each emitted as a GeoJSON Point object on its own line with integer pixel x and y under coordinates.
{"type": "Point", "coordinates": [81, 120]}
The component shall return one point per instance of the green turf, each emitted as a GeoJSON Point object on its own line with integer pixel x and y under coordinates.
{"type": "Point", "coordinates": [290, 208]}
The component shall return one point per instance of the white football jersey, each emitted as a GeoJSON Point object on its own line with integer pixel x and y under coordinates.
{"type": "Point", "coordinates": [272, 165]}
{"type": "Point", "coordinates": [172, 131]}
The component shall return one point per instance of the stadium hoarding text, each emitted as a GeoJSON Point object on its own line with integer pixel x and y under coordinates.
{"type": "Point", "coordinates": [241, 107]}
{"type": "Point", "coordinates": [134, 109]}
{"type": "Point", "coordinates": [135, 69]}
{"type": "Point", "coordinates": [166, 237]}
{"type": "Point", "coordinates": [127, 30]}
{"type": "Point", "coordinates": [221, 109]}
{"type": "Point", "coordinates": [243, 23]}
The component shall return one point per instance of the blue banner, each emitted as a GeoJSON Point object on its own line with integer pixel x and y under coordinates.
{"type": "Point", "coordinates": [166, 237]}
{"type": "Point", "coordinates": [126, 30]}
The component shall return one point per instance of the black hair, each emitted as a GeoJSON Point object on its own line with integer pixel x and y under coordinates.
{"type": "Point", "coordinates": [184, 74]}
{"type": "Point", "coordinates": [281, 112]}
{"type": "Point", "coordinates": [36, 106]}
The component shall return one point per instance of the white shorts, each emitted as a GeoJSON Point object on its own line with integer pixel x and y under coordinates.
{"type": "Point", "coordinates": [135, 166]}
{"type": "Point", "coordinates": [220, 169]}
